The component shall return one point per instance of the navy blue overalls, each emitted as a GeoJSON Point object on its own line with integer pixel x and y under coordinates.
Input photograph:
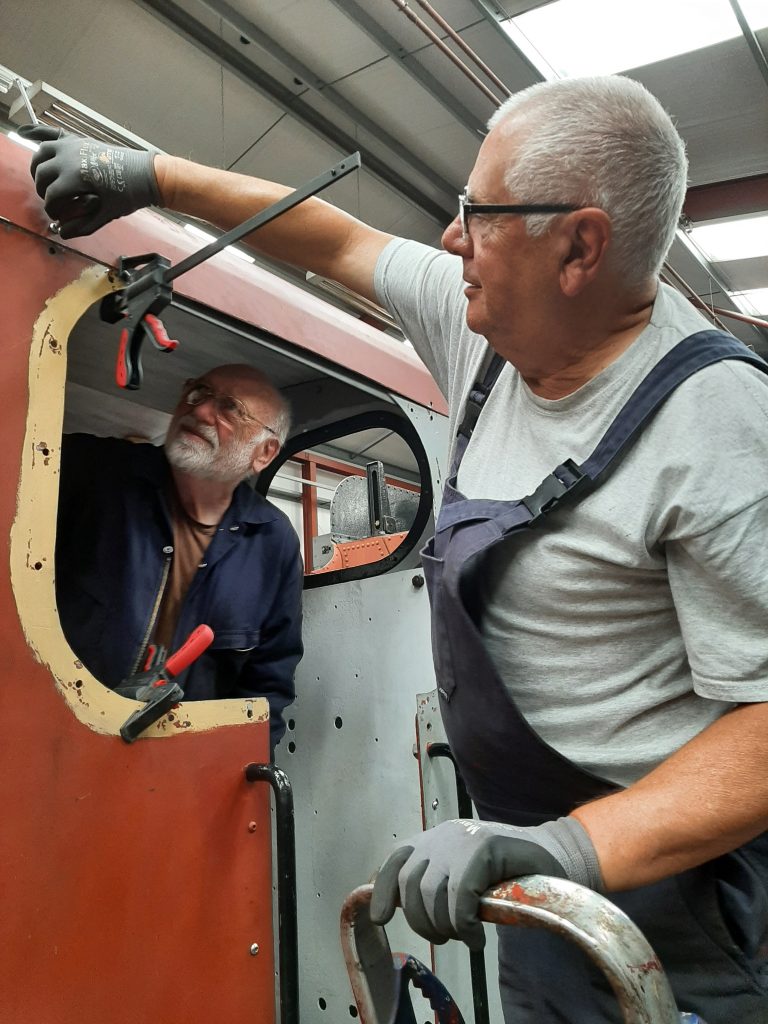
{"type": "Point", "coordinates": [709, 925]}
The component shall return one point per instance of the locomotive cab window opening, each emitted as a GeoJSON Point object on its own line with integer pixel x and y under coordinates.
{"type": "Point", "coordinates": [350, 477]}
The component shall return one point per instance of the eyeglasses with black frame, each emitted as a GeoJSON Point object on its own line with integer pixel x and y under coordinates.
{"type": "Point", "coordinates": [467, 208]}
{"type": "Point", "coordinates": [228, 408]}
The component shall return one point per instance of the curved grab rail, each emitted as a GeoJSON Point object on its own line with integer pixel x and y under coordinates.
{"type": "Point", "coordinates": [580, 915]}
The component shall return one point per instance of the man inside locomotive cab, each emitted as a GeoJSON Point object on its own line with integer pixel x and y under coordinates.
{"type": "Point", "coordinates": [153, 541]}
{"type": "Point", "coordinates": [603, 678]}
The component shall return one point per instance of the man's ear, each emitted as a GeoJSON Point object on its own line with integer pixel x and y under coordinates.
{"type": "Point", "coordinates": [265, 452]}
{"type": "Point", "coordinates": [588, 237]}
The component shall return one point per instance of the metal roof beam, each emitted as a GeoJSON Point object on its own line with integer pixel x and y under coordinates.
{"type": "Point", "coordinates": [409, 63]}
{"type": "Point", "coordinates": [238, 64]}
{"type": "Point", "coordinates": [736, 198]}
{"type": "Point", "coordinates": [300, 70]}
{"type": "Point", "coordinates": [751, 39]}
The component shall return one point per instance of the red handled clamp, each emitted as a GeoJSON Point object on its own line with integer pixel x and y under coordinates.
{"type": "Point", "coordinates": [146, 293]}
{"type": "Point", "coordinates": [155, 683]}
{"type": "Point", "coordinates": [149, 290]}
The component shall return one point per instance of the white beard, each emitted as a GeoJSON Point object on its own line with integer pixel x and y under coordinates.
{"type": "Point", "coordinates": [205, 457]}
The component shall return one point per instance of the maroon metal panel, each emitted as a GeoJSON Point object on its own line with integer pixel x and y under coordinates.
{"type": "Point", "coordinates": [727, 199]}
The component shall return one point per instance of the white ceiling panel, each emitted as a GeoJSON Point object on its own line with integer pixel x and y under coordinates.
{"type": "Point", "coordinates": [720, 104]}
{"type": "Point", "coordinates": [328, 42]}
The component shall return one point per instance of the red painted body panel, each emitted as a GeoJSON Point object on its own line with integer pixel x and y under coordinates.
{"type": "Point", "coordinates": [133, 888]}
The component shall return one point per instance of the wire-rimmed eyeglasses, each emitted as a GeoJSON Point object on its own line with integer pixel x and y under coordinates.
{"type": "Point", "coordinates": [228, 408]}
{"type": "Point", "coordinates": [467, 208]}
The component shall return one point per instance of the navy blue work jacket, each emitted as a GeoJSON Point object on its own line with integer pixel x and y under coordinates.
{"type": "Point", "coordinates": [114, 539]}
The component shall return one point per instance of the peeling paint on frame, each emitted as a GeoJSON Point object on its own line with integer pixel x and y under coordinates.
{"type": "Point", "coordinates": [33, 536]}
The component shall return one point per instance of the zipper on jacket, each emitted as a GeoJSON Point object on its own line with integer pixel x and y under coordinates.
{"type": "Point", "coordinates": [153, 617]}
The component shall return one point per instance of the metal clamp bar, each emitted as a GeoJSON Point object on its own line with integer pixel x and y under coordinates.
{"type": "Point", "coordinates": [317, 184]}
{"type": "Point", "coordinates": [287, 927]}
{"type": "Point", "coordinates": [593, 923]}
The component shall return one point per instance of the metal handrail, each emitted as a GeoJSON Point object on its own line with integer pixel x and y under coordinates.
{"type": "Point", "coordinates": [593, 923]}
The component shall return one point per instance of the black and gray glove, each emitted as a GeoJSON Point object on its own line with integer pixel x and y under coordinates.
{"type": "Point", "coordinates": [441, 874]}
{"type": "Point", "coordinates": [85, 184]}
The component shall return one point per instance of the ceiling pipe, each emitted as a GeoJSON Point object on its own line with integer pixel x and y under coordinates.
{"type": "Point", "coordinates": [714, 312]}
{"type": "Point", "coordinates": [755, 321]}
{"type": "Point", "coordinates": [464, 46]}
{"type": "Point", "coordinates": [671, 277]}
{"type": "Point", "coordinates": [403, 7]}
{"type": "Point", "coordinates": [410, 64]}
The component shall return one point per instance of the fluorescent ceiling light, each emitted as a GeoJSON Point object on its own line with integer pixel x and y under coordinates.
{"type": "Point", "coordinates": [529, 49]}
{"type": "Point", "coordinates": [206, 236]}
{"type": "Point", "coordinates": [598, 37]}
{"type": "Point", "coordinates": [754, 301]}
{"type": "Point", "coordinates": [26, 143]}
{"type": "Point", "coordinates": [736, 239]}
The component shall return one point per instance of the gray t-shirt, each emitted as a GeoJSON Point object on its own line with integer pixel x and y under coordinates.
{"type": "Point", "coordinates": [637, 616]}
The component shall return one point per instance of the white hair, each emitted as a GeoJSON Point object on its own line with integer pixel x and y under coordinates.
{"type": "Point", "coordinates": [281, 420]}
{"type": "Point", "coordinates": [604, 142]}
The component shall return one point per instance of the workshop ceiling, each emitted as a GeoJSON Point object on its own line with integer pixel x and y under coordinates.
{"type": "Point", "coordinates": [284, 88]}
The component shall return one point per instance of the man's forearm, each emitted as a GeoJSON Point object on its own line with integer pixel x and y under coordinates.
{"type": "Point", "coordinates": [315, 236]}
{"type": "Point", "coordinates": [708, 798]}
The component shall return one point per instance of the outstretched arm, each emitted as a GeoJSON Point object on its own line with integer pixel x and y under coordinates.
{"type": "Point", "coordinates": [85, 184]}
{"type": "Point", "coordinates": [315, 236]}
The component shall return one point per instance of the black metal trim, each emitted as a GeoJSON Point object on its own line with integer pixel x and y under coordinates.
{"type": "Point", "coordinates": [287, 926]}
{"type": "Point", "coordinates": [352, 424]}
{"type": "Point", "coordinates": [476, 957]}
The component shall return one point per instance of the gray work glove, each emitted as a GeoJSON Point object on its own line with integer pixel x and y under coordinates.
{"type": "Point", "coordinates": [442, 873]}
{"type": "Point", "coordinates": [84, 183]}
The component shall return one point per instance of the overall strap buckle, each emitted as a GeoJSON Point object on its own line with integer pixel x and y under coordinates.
{"type": "Point", "coordinates": [565, 479]}
{"type": "Point", "coordinates": [478, 395]}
